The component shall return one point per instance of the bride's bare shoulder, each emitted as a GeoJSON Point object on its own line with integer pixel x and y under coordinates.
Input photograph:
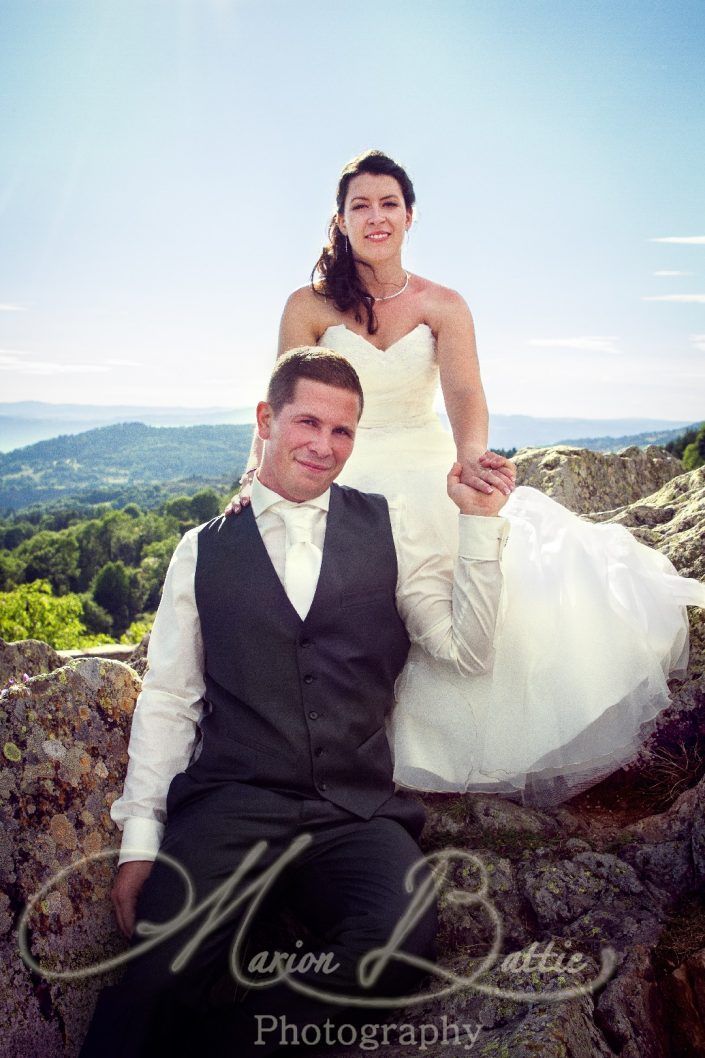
{"type": "Point", "coordinates": [307, 305]}
{"type": "Point", "coordinates": [306, 316]}
{"type": "Point", "coordinates": [304, 300]}
{"type": "Point", "coordinates": [441, 303]}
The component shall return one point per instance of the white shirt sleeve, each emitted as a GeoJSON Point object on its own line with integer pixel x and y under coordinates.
{"type": "Point", "coordinates": [164, 724]}
{"type": "Point", "coordinates": [452, 614]}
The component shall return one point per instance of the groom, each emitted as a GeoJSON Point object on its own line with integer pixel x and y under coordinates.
{"type": "Point", "coordinates": [262, 716]}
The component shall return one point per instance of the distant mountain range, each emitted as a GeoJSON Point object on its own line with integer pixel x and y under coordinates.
{"type": "Point", "coordinates": [605, 435]}
{"type": "Point", "coordinates": [640, 440]}
{"type": "Point", "coordinates": [24, 423]}
{"type": "Point", "coordinates": [147, 464]}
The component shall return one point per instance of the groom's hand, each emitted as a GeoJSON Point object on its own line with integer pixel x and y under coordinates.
{"type": "Point", "coordinates": [484, 470]}
{"type": "Point", "coordinates": [468, 500]}
{"type": "Point", "coordinates": [131, 877]}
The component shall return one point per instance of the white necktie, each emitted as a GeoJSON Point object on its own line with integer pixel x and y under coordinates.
{"type": "Point", "coordinates": [303, 558]}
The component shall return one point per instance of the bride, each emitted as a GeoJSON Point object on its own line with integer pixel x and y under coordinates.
{"type": "Point", "coordinates": [593, 621]}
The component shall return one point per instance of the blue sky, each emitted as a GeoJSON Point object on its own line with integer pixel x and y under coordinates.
{"type": "Point", "coordinates": [167, 171]}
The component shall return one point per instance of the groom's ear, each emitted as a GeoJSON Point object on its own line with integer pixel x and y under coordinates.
{"type": "Point", "coordinates": [265, 414]}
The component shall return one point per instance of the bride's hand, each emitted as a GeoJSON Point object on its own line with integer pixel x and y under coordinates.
{"type": "Point", "coordinates": [486, 471]}
{"type": "Point", "coordinates": [469, 500]}
{"type": "Point", "coordinates": [241, 498]}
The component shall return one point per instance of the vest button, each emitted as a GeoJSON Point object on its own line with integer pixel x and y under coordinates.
{"type": "Point", "coordinates": [308, 678]}
{"type": "Point", "coordinates": [313, 714]}
{"type": "Point", "coordinates": [305, 643]}
{"type": "Point", "coordinates": [322, 786]}
{"type": "Point", "coordinates": [318, 751]}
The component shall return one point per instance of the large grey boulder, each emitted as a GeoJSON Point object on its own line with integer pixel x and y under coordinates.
{"type": "Point", "coordinates": [585, 481]}
{"type": "Point", "coordinates": [64, 741]}
{"type": "Point", "coordinates": [27, 657]}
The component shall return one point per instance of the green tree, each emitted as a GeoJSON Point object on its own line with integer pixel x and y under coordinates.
{"type": "Point", "coordinates": [153, 567]}
{"type": "Point", "coordinates": [205, 505]}
{"type": "Point", "coordinates": [679, 444]}
{"type": "Point", "coordinates": [50, 556]}
{"type": "Point", "coordinates": [95, 617]}
{"type": "Point", "coordinates": [93, 551]}
{"type": "Point", "coordinates": [31, 611]}
{"type": "Point", "coordinates": [179, 507]}
{"type": "Point", "coordinates": [138, 629]}
{"type": "Point", "coordinates": [694, 454]}
{"type": "Point", "coordinates": [121, 537]}
{"type": "Point", "coordinates": [10, 571]}
{"type": "Point", "coordinates": [13, 535]}
{"type": "Point", "coordinates": [112, 591]}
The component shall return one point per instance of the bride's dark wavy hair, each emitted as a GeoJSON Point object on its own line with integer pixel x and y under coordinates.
{"type": "Point", "coordinates": [334, 275]}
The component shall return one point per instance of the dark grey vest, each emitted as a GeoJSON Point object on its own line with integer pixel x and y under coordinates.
{"type": "Point", "coordinates": [299, 706]}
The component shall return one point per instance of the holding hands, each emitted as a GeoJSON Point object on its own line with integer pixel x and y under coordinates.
{"type": "Point", "coordinates": [470, 500]}
{"type": "Point", "coordinates": [486, 471]}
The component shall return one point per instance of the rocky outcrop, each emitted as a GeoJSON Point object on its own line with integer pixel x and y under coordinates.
{"type": "Point", "coordinates": [26, 658]}
{"type": "Point", "coordinates": [559, 884]}
{"type": "Point", "coordinates": [565, 886]}
{"type": "Point", "coordinates": [671, 520]}
{"type": "Point", "coordinates": [64, 739]}
{"type": "Point", "coordinates": [587, 481]}
{"type": "Point", "coordinates": [612, 880]}
{"type": "Point", "coordinates": [138, 658]}
{"type": "Point", "coordinates": [685, 990]}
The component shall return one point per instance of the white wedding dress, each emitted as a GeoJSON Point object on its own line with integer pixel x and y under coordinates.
{"type": "Point", "coordinates": [592, 623]}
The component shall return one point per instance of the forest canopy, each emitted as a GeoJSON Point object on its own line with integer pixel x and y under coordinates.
{"type": "Point", "coordinates": [75, 577]}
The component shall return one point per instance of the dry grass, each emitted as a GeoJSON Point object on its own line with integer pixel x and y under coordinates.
{"type": "Point", "coordinates": [683, 934]}
{"type": "Point", "coordinates": [674, 770]}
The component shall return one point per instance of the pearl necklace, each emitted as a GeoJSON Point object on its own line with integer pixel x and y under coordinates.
{"type": "Point", "coordinates": [388, 297]}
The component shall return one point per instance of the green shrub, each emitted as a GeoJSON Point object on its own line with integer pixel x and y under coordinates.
{"type": "Point", "coordinates": [31, 611]}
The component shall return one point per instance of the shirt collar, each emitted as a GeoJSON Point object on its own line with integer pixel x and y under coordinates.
{"type": "Point", "coordinates": [262, 498]}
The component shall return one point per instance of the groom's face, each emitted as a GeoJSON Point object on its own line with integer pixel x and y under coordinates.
{"type": "Point", "coordinates": [308, 440]}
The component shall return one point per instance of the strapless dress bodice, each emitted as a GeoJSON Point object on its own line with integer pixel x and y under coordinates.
{"type": "Point", "coordinates": [399, 383]}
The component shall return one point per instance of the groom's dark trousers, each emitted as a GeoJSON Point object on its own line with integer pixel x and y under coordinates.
{"type": "Point", "coordinates": [294, 743]}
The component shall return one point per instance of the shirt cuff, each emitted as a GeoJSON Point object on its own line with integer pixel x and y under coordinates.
{"type": "Point", "coordinates": [482, 537]}
{"type": "Point", "coordinates": [141, 839]}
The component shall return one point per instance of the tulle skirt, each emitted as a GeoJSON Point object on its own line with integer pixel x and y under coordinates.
{"type": "Point", "coordinates": [592, 624]}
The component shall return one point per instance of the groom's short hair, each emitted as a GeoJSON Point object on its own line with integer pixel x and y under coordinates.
{"type": "Point", "coordinates": [316, 364]}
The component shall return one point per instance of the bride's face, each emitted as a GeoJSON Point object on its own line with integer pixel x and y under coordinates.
{"type": "Point", "coordinates": [375, 218]}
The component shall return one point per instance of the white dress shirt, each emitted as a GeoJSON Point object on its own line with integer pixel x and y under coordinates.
{"type": "Point", "coordinates": [453, 618]}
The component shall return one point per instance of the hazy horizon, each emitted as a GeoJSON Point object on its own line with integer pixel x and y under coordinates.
{"type": "Point", "coordinates": [37, 421]}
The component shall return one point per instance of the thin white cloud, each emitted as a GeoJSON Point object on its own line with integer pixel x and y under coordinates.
{"type": "Point", "coordinates": [123, 363]}
{"type": "Point", "coordinates": [669, 272]}
{"type": "Point", "coordinates": [699, 298]}
{"type": "Point", "coordinates": [698, 341]}
{"type": "Point", "coordinates": [689, 240]}
{"type": "Point", "coordinates": [6, 307]}
{"type": "Point", "coordinates": [14, 360]}
{"type": "Point", "coordinates": [591, 343]}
